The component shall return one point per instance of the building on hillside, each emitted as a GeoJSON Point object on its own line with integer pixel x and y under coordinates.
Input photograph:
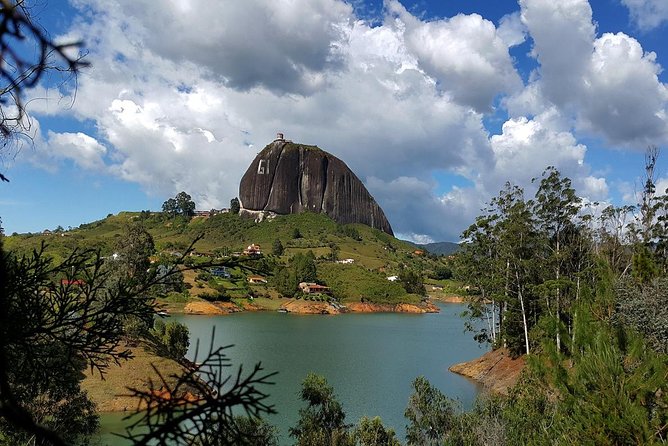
{"type": "Point", "coordinates": [346, 261]}
{"type": "Point", "coordinates": [115, 256]}
{"type": "Point", "coordinates": [256, 279]}
{"type": "Point", "coordinates": [201, 254]}
{"type": "Point", "coordinates": [418, 252]}
{"type": "Point", "coordinates": [211, 212]}
{"type": "Point", "coordinates": [220, 272]}
{"type": "Point", "coordinates": [393, 278]}
{"type": "Point", "coordinates": [313, 288]}
{"type": "Point", "coordinates": [253, 250]}
{"type": "Point", "coordinates": [70, 282]}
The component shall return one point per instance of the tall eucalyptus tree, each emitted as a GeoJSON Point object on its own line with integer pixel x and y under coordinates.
{"type": "Point", "coordinates": [556, 207]}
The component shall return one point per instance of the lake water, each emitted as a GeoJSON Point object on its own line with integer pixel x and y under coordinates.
{"type": "Point", "coordinates": [369, 359]}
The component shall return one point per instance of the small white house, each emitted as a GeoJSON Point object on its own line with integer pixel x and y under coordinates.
{"type": "Point", "coordinates": [393, 278]}
{"type": "Point", "coordinates": [346, 261]}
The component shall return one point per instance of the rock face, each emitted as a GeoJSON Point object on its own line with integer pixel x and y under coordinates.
{"type": "Point", "coordinates": [289, 178]}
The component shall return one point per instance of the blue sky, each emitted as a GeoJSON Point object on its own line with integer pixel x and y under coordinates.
{"type": "Point", "coordinates": [434, 104]}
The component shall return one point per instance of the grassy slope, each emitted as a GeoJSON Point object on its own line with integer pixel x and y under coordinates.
{"type": "Point", "coordinates": [377, 255]}
{"type": "Point", "coordinates": [111, 394]}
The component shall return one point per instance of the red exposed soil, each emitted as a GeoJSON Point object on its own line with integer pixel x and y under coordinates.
{"type": "Point", "coordinates": [211, 308]}
{"type": "Point", "coordinates": [366, 307]}
{"type": "Point", "coordinates": [495, 370]}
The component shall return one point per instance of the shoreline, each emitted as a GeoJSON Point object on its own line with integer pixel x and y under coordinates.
{"type": "Point", "coordinates": [495, 370]}
{"type": "Point", "coordinates": [303, 307]}
{"type": "Point", "coordinates": [449, 299]}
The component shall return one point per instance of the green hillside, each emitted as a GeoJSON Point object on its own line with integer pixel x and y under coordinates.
{"type": "Point", "coordinates": [375, 255]}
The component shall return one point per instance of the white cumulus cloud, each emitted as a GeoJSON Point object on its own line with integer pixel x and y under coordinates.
{"type": "Point", "coordinates": [648, 14]}
{"type": "Point", "coordinates": [608, 84]}
{"type": "Point", "coordinates": [182, 95]}
{"type": "Point", "coordinates": [84, 150]}
{"type": "Point", "coordinates": [466, 54]}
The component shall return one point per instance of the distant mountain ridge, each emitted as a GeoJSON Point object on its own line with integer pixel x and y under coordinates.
{"type": "Point", "coordinates": [439, 248]}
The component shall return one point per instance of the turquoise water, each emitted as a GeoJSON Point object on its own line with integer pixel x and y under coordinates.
{"type": "Point", "coordinates": [370, 359]}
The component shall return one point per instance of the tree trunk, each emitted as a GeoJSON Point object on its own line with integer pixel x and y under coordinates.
{"type": "Point", "coordinates": [575, 313]}
{"type": "Point", "coordinates": [524, 314]}
{"type": "Point", "coordinates": [557, 303]}
{"type": "Point", "coordinates": [493, 321]}
{"type": "Point", "coordinates": [487, 316]}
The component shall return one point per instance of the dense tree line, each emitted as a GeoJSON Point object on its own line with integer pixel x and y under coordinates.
{"type": "Point", "coordinates": [531, 262]}
{"type": "Point", "coordinates": [583, 293]}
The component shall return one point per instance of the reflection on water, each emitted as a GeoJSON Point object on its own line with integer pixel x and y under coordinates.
{"type": "Point", "coordinates": [370, 359]}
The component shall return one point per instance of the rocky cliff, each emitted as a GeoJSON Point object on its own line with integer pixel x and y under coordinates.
{"type": "Point", "coordinates": [289, 178]}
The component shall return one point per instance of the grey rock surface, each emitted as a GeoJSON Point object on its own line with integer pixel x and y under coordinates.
{"type": "Point", "coordinates": [289, 178]}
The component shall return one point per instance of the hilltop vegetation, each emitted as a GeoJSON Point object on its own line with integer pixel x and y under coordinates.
{"type": "Point", "coordinates": [375, 255]}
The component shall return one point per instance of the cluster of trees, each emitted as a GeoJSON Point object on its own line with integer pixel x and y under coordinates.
{"type": "Point", "coordinates": [348, 231]}
{"type": "Point", "coordinates": [181, 204]}
{"type": "Point", "coordinates": [173, 339]}
{"type": "Point", "coordinates": [322, 421]}
{"type": "Point", "coordinates": [534, 261]}
{"type": "Point", "coordinates": [441, 272]}
{"type": "Point", "coordinates": [411, 280]}
{"type": "Point", "coordinates": [432, 419]}
{"type": "Point", "coordinates": [584, 295]}
{"type": "Point", "coordinates": [528, 259]}
{"type": "Point", "coordinates": [302, 268]}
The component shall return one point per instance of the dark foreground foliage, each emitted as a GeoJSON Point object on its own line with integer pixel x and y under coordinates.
{"type": "Point", "coordinates": [58, 319]}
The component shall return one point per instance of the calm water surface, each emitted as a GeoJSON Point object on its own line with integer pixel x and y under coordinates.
{"type": "Point", "coordinates": [370, 359]}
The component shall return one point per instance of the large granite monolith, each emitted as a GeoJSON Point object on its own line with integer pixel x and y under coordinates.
{"type": "Point", "coordinates": [289, 178]}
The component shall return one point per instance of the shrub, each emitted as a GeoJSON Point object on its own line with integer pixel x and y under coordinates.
{"type": "Point", "coordinates": [219, 296]}
{"type": "Point", "coordinates": [134, 329]}
{"type": "Point", "coordinates": [322, 421]}
{"type": "Point", "coordinates": [371, 432]}
{"type": "Point", "coordinates": [277, 248]}
{"type": "Point", "coordinates": [203, 276]}
{"type": "Point", "coordinates": [348, 231]}
{"type": "Point", "coordinates": [441, 272]}
{"type": "Point", "coordinates": [176, 339]}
